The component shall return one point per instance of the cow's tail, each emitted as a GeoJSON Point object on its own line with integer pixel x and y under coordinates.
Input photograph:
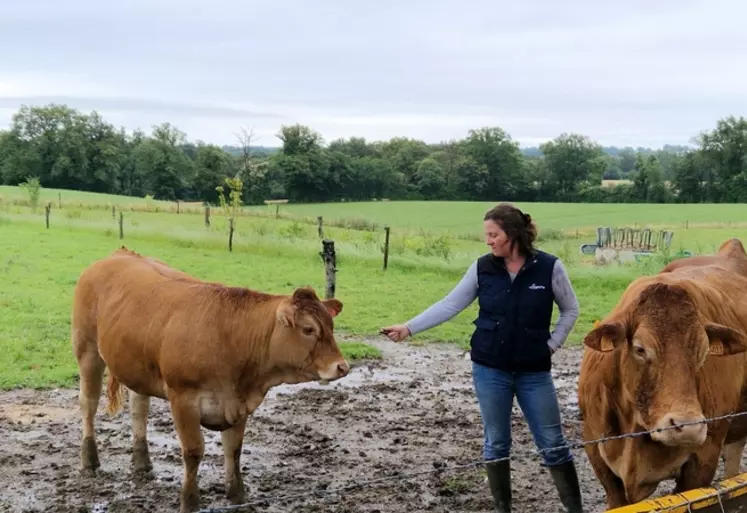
{"type": "Point", "coordinates": [113, 395]}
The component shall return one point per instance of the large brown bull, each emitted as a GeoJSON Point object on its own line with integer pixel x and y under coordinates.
{"type": "Point", "coordinates": [672, 351]}
{"type": "Point", "coordinates": [212, 351]}
{"type": "Point", "coordinates": [732, 256]}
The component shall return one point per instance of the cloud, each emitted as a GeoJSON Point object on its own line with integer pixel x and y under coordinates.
{"type": "Point", "coordinates": [142, 105]}
{"type": "Point", "coordinates": [638, 73]}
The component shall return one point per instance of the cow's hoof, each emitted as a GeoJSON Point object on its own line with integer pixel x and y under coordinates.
{"type": "Point", "coordinates": [89, 457]}
{"type": "Point", "coordinates": [235, 491]}
{"type": "Point", "coordinates": [88, 472]}
{"type": "Point", "coordinates": [190, 502]}
{"type": "Point", "coordinates": [141, 459]}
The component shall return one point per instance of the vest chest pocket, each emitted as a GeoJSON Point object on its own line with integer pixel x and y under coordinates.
{"type": "Point", "coordinates": [533, 305]}
{"type": "Point", "coordinates": [494, 295]}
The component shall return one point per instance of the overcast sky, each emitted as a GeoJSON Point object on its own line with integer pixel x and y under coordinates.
{"type": "Point", "coordinates": [623, 72]}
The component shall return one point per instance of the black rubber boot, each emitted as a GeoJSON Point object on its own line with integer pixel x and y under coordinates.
{"type": "Point", "coordinates": [499, 478]}
{"type": "Point", "coordinates": [566, 481]}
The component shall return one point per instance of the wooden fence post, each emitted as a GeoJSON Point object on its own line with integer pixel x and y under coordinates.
{"type": "Point", "coordinates": [330, 267]}
{"type": "Point", "coordinates": [386, 248]}
{"type": "Point", "coordinates": [207, 216]}
{"type": "Point", "coordinates": [230, 234]}
{"type": "Point", "coordinates": [321, 229]}
{"type": "Point", "coordinates": [47, 208]}
{"type": "Point", "coordinates": [114, 215]}
{"type": "Point", "coordinates": [277, 205]}
{"type": "Point", "coordinates": [121, 225]}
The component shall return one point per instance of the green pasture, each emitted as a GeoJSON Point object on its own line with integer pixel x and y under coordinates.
{"type": "Point", "coordinates": [461, 217]}
{"type": "Point", "coordinates": [453, 217]}
{"type": "Point", "coordinates": [67, 197]}
{"type": "Point", "coordinates": [39, 266]}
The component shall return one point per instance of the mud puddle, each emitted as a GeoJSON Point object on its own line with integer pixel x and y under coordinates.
{"type": "Point", "coordinates": [413, 411]}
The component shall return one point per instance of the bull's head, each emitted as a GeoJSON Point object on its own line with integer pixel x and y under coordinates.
{"type": "Point", "coordinates": [304, 339]}
{"type": "Point", "coordinates": [662, 343]}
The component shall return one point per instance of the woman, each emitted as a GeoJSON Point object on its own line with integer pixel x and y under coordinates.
{"type": "Point", "coordinates": [511, 346]}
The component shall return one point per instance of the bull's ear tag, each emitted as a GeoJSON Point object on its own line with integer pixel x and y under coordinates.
{"type": "Point", "coordinates": [596, 324]}
{"type": "Point", "coordinates": [606, 344]}
{"type": "Point", "coordinates": [716, 348]}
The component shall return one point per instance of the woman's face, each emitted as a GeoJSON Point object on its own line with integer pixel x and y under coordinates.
{"type": "Point", "coordinates": [497, 239]}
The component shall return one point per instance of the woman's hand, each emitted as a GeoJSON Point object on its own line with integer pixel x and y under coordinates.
{"type": "Point", "coordinates": [396, 333]}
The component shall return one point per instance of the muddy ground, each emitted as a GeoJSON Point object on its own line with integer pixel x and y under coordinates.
{"type": "Point", "coordinates": [412, 412]}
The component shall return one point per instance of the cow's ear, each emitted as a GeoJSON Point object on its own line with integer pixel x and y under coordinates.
{"type": "Point", "coordinates": [724, 340]}
{"type": "Point", "coordinates": [334, 306]}
{"type": "Point", "coordinates": [605, 336]}
{"type": "Point", "coordinates": [286, 314]}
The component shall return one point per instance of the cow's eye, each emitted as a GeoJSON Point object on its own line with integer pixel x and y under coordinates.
{"type": "Point", "coordinates": [639, 351]}
{"type": "Point", "coordinates": [308, 330]}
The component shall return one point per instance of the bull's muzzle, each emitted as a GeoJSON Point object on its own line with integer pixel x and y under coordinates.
{"type": "Point", "coordinates": [335, 370]}
{"type": "Point", "coordinates": [681, 429]}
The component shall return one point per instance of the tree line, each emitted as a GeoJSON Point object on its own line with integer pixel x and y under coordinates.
{"type": "Point", "coordinates": [65, 148]}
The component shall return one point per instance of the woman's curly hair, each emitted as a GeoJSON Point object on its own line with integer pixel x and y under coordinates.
{"type": "Point", "coordinates": [519, 227]}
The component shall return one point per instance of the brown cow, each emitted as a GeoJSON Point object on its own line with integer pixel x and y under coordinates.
{"type": "Point", "coordinates": [732, 256]}
{"type": "Point", "coordinates": [672, 351]}
{"type": "Point", "coordinates": [212, 351]}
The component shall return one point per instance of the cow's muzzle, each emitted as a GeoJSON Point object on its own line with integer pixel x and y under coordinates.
{"type": "Point", "coordinates": [335, 371]}
{"type": "Point", "coordinates": [680, 430]}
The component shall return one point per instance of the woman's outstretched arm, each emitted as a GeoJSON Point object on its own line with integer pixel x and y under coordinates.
{"type": "Point", "coordinates": [460, 297]}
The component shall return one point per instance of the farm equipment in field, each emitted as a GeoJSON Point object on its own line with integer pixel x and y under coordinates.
{"type": "Point", "coordinates": [634, 242]}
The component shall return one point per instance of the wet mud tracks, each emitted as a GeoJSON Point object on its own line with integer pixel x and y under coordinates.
{"type": "Point", "coordinates": [414, 412]}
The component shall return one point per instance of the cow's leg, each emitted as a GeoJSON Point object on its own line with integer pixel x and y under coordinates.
{"type": "Point", "coordinates": [732, 455]}
{"type": "Point", "coordinates": [613, 486]}
{"type": "Point", "coordinates": [232, 440]}
{"type": "Point", "coordinates": [91, 368]}
{"type": "Point", "coordinates": [186, 413]}
{"type": "Point", "coordinates": [139, 406]}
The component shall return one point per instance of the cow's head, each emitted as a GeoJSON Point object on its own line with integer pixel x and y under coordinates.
{"type": "Point", "coordinates": [303, 339]}
{"type": "Point", "coordinates": [662, 343]}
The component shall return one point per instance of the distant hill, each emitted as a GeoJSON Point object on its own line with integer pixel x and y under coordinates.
{"type": "Point", "coordinates": [531, 151]}
{"type": "Point", "coordinates": [615, 151]}
{"type": "Point", "coordinates": [256, 150]}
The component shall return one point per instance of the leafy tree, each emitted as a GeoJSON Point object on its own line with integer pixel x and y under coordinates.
{"type": "Point", "coordinates": [573, 160]}
{"type": "Point", "coordinates": [64, 148]}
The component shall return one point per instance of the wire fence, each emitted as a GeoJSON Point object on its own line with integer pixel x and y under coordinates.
{"type": "Point", "coordinates": [400, 476]}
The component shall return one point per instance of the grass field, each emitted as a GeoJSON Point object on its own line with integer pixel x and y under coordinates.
{"type": "Point", "coordinates": [431, 246]}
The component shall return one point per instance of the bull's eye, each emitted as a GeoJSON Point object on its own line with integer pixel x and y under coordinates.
{"type": "Point", "coordinates": [639, 351]}
{"type": "Point", "coordinates": [308, 330]}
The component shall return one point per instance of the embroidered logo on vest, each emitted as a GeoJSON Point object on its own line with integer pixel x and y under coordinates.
{"type": "Point", "coordinates": [534, 286]}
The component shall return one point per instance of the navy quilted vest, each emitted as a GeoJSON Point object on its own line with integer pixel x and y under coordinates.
{"type": "Point", "coordinates": [513, 324]}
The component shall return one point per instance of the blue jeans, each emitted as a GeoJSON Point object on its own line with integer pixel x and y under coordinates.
{"type": "Point", "coordinates": [538, 401]}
